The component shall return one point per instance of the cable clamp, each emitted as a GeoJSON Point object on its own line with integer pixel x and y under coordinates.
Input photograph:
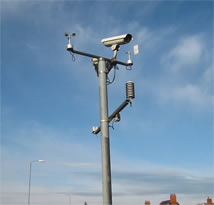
{"type": "Point", "coordinates": [104, 120]}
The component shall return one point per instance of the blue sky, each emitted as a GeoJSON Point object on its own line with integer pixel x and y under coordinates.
{"type": "Point", "coordinates": [163, 143]}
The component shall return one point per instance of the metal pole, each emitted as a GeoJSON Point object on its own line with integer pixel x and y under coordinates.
{"type": "Point", "coordinates": [29, 184]}
{"type": "Point", "coordinates": [105, 147]}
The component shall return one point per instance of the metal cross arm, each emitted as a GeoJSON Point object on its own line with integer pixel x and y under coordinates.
{"type": "Point", "coordinates": [113, 61]}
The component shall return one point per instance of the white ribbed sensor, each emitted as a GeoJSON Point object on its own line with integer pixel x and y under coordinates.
{"type": "Point", "coordinates": [130, 90]}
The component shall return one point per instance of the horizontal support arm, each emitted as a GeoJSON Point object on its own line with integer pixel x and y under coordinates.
{"type": "Point", "coordinates": [95, 56]}
{"type": "Point", "coordinates": [113, 115]}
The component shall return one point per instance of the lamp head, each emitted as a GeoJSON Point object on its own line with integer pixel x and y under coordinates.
{"type": "Point", "coordinates": [41, 160]}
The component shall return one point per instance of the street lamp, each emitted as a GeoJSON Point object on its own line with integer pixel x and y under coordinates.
{"type": "Point", "coordinates": [40, 161]}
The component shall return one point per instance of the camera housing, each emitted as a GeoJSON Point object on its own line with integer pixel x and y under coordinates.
{"type": "Point", "coordinates": [117, 40]}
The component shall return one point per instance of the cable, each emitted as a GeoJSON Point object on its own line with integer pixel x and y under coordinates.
{"type": "Point", "coordinates": [73, 57]}
{"type": "Point", "coordinates": [112, 125]}
{"type": "Point", "coordinates": [111, 81]}
{"type": "Point", "coordinates": [128, 68]}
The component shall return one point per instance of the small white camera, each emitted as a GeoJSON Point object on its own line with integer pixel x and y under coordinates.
{"type": "Point", "coordinates": [117, 40]}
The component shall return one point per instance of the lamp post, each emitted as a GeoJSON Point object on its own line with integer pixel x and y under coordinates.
{"type": "Point", "coordinates": [69, 199]}
{"type": "Point", "coordinates": [30, 177]}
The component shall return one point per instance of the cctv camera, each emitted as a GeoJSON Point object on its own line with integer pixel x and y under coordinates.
{"type": "Point", "coordinates": [117, 40]}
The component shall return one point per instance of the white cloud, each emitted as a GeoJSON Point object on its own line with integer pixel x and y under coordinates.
{"type": "Point", "coordinates": [192, 87]}
{"type": "Point", "coordinates": [190, 94]}
{"type": "Point", "coordinates": [149, 40]}
{"type": "Point", "coordinates": [134, 185]}
{"type": "Point", "coordinates": [207, 79]}
{"type": "Point", "coordinates": [187, 52]}
{"type": "Point", "coordinates": [198, 94]}
{"type": "Point", "coordinates": [76, 169]}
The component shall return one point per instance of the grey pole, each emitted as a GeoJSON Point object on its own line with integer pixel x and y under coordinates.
{"type": "Point", "coordinates": [69, 199]}
{"type": "Point", "coordinates": [105, 147]}
{"type": "Point", "coordinates": [29, 184]}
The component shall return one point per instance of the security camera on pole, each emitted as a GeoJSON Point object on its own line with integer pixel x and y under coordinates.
{"type": "Point", "coordinates": [103, 66]}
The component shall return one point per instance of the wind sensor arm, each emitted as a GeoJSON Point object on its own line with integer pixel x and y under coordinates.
{"type": "Point", "coordinates": [96, 130]}
{"type": "Point", "coordinates": [130, 94]}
